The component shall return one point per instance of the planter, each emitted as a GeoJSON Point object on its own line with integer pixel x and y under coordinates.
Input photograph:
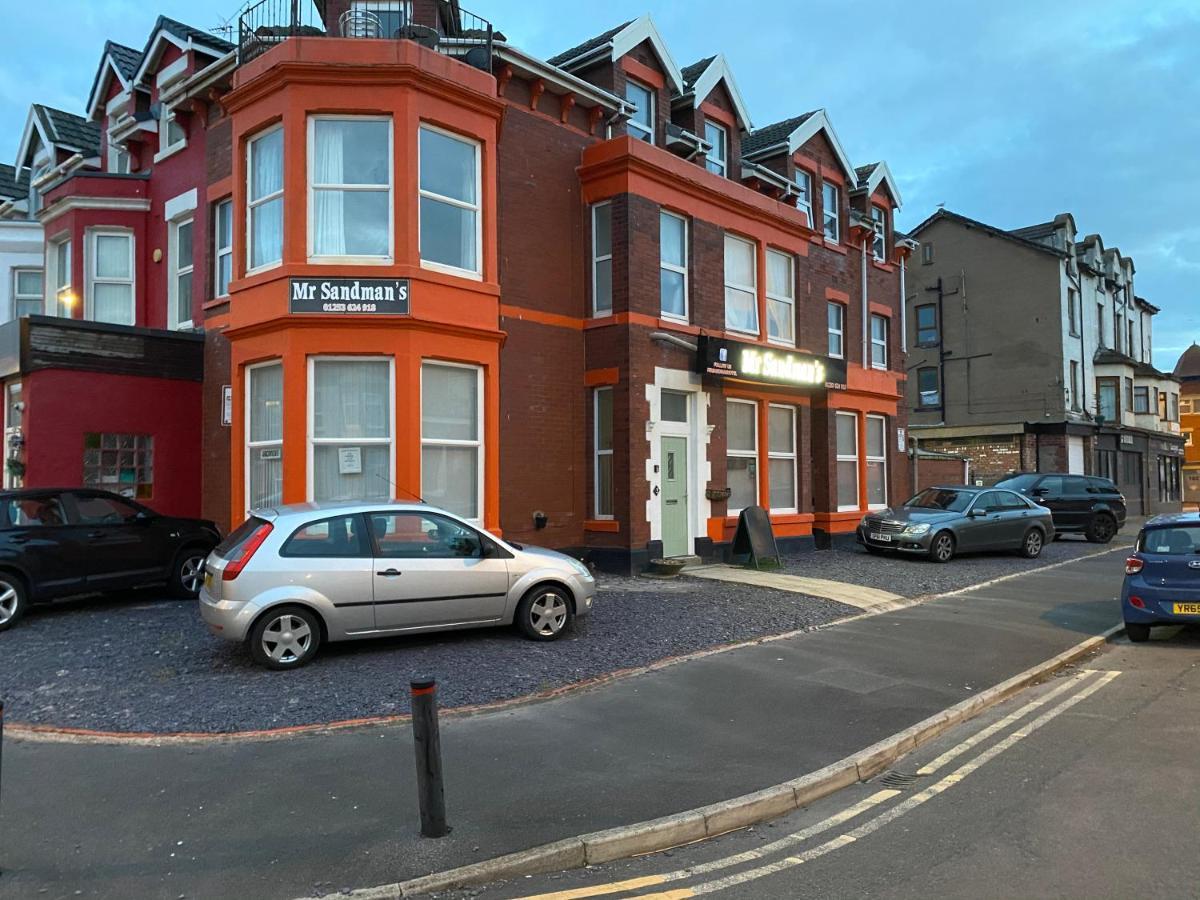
{"type": "Point", "coordinates": [665, 568]}
{"type": "Point", "coordinates": [718, 493]}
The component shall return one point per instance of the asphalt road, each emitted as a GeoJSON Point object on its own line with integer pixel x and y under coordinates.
{"type": "Point", "coordinates": [1083, 787]}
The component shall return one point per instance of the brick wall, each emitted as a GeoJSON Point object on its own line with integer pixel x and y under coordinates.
{"type": "Point", "coordinates": [934, 471]}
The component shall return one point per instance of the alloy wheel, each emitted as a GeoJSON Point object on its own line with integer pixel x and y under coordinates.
{"type": "Point", "coordinates": [1104, 529]}
{"type": "Point", "coordinates": [1033, 543]}
{"type": "Point", "coordinates": [9, 599]}
{"type": "Point", "coordinates": [548, 613]}
{"type": "Point", "coordinates": [191, 574]}
{"type": "Point", "coordinates": [943, 547]}
{"type": "Point", "coordinates": [287, 639]}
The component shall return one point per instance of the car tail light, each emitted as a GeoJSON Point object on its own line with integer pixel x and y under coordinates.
{"type": "Point", "coordinates": [240, 555]}
{"type": "Point", "coordinates": [1136, 602]}
{"type": "Point", "coordinates": [1133, 565]}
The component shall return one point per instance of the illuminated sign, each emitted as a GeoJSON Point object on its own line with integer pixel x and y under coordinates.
{"type": "Point", "coordinates": [724, 358]}
{"type": "Point", "coordinates": [342, 296]}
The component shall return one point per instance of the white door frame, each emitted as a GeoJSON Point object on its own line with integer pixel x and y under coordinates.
{"type": "Point", "coordinates": [698, 433]}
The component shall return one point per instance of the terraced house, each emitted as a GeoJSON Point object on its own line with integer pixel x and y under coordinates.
{"type": "Point", "coordinates": [582, 300]}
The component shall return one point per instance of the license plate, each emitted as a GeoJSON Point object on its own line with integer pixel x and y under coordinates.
{"type": "Point", "coordinates": [882, 538]}
{"type": "Point", "coordinates": [1186, 609]}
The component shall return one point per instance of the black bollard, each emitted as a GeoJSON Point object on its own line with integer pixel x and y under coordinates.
{"type": "Point", "coordinates": [427, 743]}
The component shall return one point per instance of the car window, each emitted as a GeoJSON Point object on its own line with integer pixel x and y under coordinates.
{"type": "Point", "coordinates": [1052, 486]}
{"type": "Point", "coordinates": [29, 512]}
{"type": "Point", "coordinates": [1180, 540]}
{"type": "Point", "coordinates": [988, 500]}
{"type": "Point", "coordinates": [337, 537]}
{"type": "Point", "coordinates": [1018, 482]}
{"type": "Point", "coordinates": [1009, 500]}
{"type": "Point", "coordinates": [414, 535]}
{"type": "Point", "coordinates": [1075, 486]}
{"type": "Point", "coordinates": [1101, 486]}
{"type": "Point", "coordinates": [235, 538]}
{"type": "Point", "coordinates": [94, 509]}
{"type": "Point", "coordinates": [941, 498]}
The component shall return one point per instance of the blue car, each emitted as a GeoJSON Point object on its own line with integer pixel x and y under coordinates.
{"type": "Point", "coordinates": [1162, 577]}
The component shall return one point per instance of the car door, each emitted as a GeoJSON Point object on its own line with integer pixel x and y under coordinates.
{"type": "Point", "coordinates": [1015, 514]}
{"type": "Point", "coordinates": [982, 528]}
{"type": "Point", "coordinates": [123, 550]}
{"type": "Point", "coordinates": [1077, 501]}
{"type": "Point", "coordinates": [43, 542]}
{"type": "Point", "coordinates": [432, 570]}
{"type": "Point", "coordinates": [332, 557]}
{"type": "Point", "coordinates": [1049, 493]}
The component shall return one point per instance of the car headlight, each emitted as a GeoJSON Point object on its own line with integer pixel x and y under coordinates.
{"type": "Point", "coordinates": [581, 568]}
{"type": "Point", "coordinates": [917, 529]}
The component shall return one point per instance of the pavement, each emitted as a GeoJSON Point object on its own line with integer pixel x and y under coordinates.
{"type": "Point", "coordinates": [855, 595]}
{"type": "Point", "coordinates": [319, 813]}
{"type": "Point", "coordinates": [1083, 786]}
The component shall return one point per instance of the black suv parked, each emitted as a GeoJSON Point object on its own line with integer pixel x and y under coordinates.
{"type": "Point", "coordinates": [1081, 504]}
{"type": "Point", "coordinates": [59, 543]}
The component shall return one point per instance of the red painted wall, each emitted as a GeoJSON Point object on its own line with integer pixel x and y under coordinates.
{"type": "Point", "coordinates": [61, 406]}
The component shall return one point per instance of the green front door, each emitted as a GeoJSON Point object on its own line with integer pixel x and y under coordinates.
{"type": "Point", "coordinates": [674, 497]}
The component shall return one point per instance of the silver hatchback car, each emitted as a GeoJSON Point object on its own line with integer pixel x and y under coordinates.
{"type": "Point", "coordinates": [290, 578]}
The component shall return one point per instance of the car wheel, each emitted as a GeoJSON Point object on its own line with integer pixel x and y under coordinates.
{"type": "Point", "coordinates": [13, 601]}
{"type": "Point", "coordinates": [1031, 546]}
{"type": "Point", "coordinates": [941, 548]}
{"type": "Point", "coordinates": [545, 613]}
{"type": "Point", "coordinates": [285, 638]}
{"type": "Point", "coordinates": [1101, 529]}
{"type": "Point", "coordinates": [1137, 633]}
{"type": "Point", "coordinates": [187, 572]}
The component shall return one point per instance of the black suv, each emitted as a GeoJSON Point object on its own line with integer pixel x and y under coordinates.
{"type": "Point", "coordinates": [59, 543]}
{"type": "Point", "coordinates": [1081, 504]}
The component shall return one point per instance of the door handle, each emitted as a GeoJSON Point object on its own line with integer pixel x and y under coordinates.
{"type": "Point", "coordinates": [390, 573]}
{"type": "Point", "coordinates": [672, 502]}
{"type": "Point", "coordinates": [95, 534]}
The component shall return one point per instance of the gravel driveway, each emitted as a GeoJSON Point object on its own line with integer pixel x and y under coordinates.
{"type": "Point", "coordinates": [146, 665]}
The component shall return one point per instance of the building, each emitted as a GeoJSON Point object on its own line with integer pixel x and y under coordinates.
{"type": "Point", "coordinates": [1032, 352]}
{"type": "Point", "coordinates": [1187, 370]}
{"type": "Point", "coordinates": [579, 300]}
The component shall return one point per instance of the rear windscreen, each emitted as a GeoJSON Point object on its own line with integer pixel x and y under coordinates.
{"type": "Point", "coordinates": [238, 535]}
{"type": "Point", "coordinates": [1180, 540]}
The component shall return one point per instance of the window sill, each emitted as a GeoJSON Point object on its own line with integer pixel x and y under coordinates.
{"type": "Point", "coordinates": [780, 342]}
{"type": "Point", "coordinates": [754, 334]}
{"type": "Point", "coordinates": [607, 525]}
{"type": "Point", "coordinates": [835, 246]}
{"type": "Point", "coordinates": [167, 152]}
{"type": "Point", "coordinates": [878, 368]}
{"type": "Point", "coordinates": [883, 266]}
{"type": "Point", "coordinates": [465, 274]}
{"type": "Point", "coordinates": [670, 317]}
{"type": "Point", "coordinates": [350, 261]}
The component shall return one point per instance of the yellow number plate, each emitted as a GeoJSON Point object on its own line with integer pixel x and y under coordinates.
{"type": "Point", "coordinates": [1186, 609]}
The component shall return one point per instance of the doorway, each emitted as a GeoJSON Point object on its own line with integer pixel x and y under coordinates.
{"type": "Point", "coordinates": [674, 497]}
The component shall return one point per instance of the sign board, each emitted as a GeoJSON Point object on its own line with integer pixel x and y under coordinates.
{"type": "Point", "coordinates": [755, 536]}
{"type": "Point", "coordinates": [350, 460]}
{"type": "Point", "coordinates": [724, 358]}
{"type": "Point", "coordinates": [227, 404]}
{"type": "Point", "coordinates": [349, 296]}
{"type": "Point", "coordinates": [900, 440]}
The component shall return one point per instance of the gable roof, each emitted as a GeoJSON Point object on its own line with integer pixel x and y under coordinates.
{"type": "Point", "coordinates": [616, 42]}
{"type": "Point", "coordinates": [872, 176]}
{"type": "Point", "coordinates": [14, 183]}
{"type": "Point", "coordinates": [987, 229]}
{"type": "Point", "coordinates": [170, 31]}
{"type": "Point", "coordinates": [791, 134]}
{"type": "Point", "coordinates": [58, 129]}
{"type": "Point", "coordinates": [118, 60]}
{"type": "Point", "coordinates": [701, 78]}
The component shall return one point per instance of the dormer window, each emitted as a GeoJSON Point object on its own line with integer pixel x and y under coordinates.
{"type": "Point", "coordinates": [804, 194]}
{"type": "Point", "coordinates": [171, 135]}
{"type": "Point", "coordinates": [829, 212]}
{"type": "Point", "coordinates": [117, 159]}
{"type": "Point", "coordinates": [718, 155]}
{"type": "Point", "coordinates": [879, 223]}
{"type": "Point", "coordinates": [641, 123]}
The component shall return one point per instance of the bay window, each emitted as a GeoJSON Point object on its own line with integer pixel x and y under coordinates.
{"type": "Point", "coordinates": [449, 193]}
{"type": "Point", "coordinates": [830, 208]}
{"type": "Point", "coordinates": [781, 457]}
{"type": "Point", "coordinates": [718, 156]}
{"type": "Point", "coordinates": [601, 259]}
{"type": "Point", "coordinates": [223, 248]}
{"type": "Point", "coordinates": [836, 314]}
{"type": "Point", "coordinates": [264, 207]}
{"type": "Point", "coordinates": [741, 285]}
{"type": "Point", "coordinates": [641, 123]}
{"type": "Point", "coordinates": [110, 277]}
{"type": "Point", "coordinates": [179, 284]}
{"type": "Point", "coordinates": [264, 435]}
{"type": "Point", "coordinates": [29, 297]}
{"type": "Point", "coordinates": [879, 342]}
{"type": "Point", "coordinates": [847, 461]}
{"type": "Point", "coordinates": [350, 428]}
{"type": "Point", "coordinates": [673, 265]}
{"type": "Point", "coordinates": [741, 454]}
{"type": "Point", "coordinates": [602, 472]}
{"type": "Point", "coordinates": [350, 188]}
{"type": "Point", "coordinates": [876, 462]}
{"type": "Point", "coordinates": [804, 195]}
{"type": "Point", "coordinates": [452, 438]}
{"type": "Point", "coordinates": [781, 297]}
{"type": "Point", "coordinates": [64, 297]}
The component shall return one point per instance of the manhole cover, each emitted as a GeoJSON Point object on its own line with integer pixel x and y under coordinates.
{"type": "Point", "coordinates": [900, 781]}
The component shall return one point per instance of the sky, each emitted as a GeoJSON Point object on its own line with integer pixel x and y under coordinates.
{"type": "Point", "coordinates": [1005, 112]}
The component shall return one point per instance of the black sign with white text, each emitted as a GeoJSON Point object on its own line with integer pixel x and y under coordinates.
{"type": "Point", "coordinates": [349, 296]}
{"type": "Point", "coordinates": [723, 358]}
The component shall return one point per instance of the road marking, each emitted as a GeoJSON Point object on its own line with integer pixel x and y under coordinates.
{"type": "Point", "coordinates": [600, 890]}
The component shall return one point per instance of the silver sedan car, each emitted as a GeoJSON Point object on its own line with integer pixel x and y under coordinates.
{"type": "Point", "coordinates": [290, 578]}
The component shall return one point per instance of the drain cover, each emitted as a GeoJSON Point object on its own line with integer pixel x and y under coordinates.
{"type": "Point", "coordinates": [900, 781]}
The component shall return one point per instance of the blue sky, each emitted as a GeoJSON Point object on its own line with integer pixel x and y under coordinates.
{"type": "Point", "coordinates": [1007, 112]}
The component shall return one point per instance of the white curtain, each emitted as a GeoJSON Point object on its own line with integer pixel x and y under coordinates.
{"type": "Point", "coordinates": [450, 414]}
{"type": "Point", "coordinates": [329, 231]}
{"type": "Point", "coordinates": [350, 406]}
{"type": "Point", "coordinates": [112, 300]}
{"type": "Point", "coordinates": [266, 225]}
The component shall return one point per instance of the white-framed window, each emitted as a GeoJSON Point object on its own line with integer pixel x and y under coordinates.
{"type": "Point", "coordinates": [602, 467]}
{"type": "Point", "coordinates": [641, 123]}
{"type": "Point", "coordinates": [836, 314]}
{"type": "Point", "coordinates": [451, 228]}
{"type": "Point", "coordinates": [876, 462]}
{"type": "Point", "coordinates": [830, 211]}
{"type": "Point", "coordinates": [116, 156]}
{"type": "Point", "coordinates": [741, 454]}
{"type": "Point", "coordinates": [602, 259]}
{"type": "Point", "coordinates": [110, 288]}
{"type": "Point", "coordinates": [741, 285]}
{"type": "Point", "coordinates": [781, 297]}
{"type": "Point", "coordinates": [847, 460]}
{"type": "Point", "coordinates": [673, 265]}
{"type": "Point", "coordinates": [879, 224]}
{"type": "Point", "coordinates": [718, 157]}
{"type": "Point", "coordinates": [28, 291]}
{"type": "Point", "coordinates": [804, 197]}
{"type": "Point", "coordinates": [40, 168]}
{"type": "Point", "coordinates": [879, 341]}
{"type": "Point", "coordinates": [179, 284]}
{"type": "Point", "coordinates": [350, 188]}
{"type": "Point", "coordinates": [264, 435]}
{"type": "Point", "coordinates": [60, 260]}
{"type": "Point", "coordinates": [171, 135]}
{"type": "Point", "coordinates": [264, 206]}
{"type": "Point", "coordinates": [452, 437]}
{"type": "Point", "coordinates": [351, 402]}
{"type": "Point", "coordinates": [393, 15]}
{"type": "Point", "coordinates": [222, 247]}
{"type": "Point", "coordinates": [781, 453]}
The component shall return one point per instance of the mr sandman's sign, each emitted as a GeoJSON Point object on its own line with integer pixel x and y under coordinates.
{"type": "Point", "coordinates": [724, 358]}
{"type": "Point", "coordinates": [349, 296]}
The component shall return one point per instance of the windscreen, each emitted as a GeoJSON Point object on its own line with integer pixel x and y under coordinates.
{"type": "Point", "coordinates": [237, 536]}
{"type": "Point", "coordinates": [1018, 482]}
{"type": "Point", "coordinates": [942, 499]}
{"type": "Point", "coordinates": [1176, 540]}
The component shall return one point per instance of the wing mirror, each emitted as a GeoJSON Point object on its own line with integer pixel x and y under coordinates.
{"type": "Point", "coordinates": [976, 513]}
